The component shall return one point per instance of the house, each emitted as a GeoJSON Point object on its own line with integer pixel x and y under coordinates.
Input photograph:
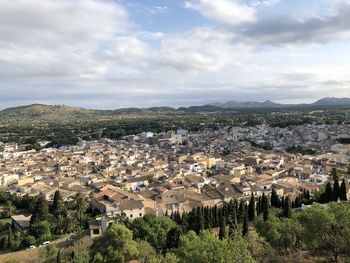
{"type": "Point", "coordinates": [21, 222]}
{"type": "Point", "coordinates": [113, 201]}
{"type": "Point", "coordinates": [98, 226]}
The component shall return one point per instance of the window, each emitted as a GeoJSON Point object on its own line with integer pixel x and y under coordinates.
{"type": "Point", "coordinates": [140, 214]}
{"type": "Point", "coordinates": [96, 231]}
{"type": "Point", "coordinates": [131, 216]}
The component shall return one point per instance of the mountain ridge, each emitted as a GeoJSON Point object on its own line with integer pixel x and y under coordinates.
{"type": "Point", "coordinates": [44, 109]}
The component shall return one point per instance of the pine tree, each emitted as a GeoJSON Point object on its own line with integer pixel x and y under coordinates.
{"type": "Point", "coordinates": [245, 224]}
{"type": "Point", "coordinates": [222, 229]}
{"type": "Point", "coordinates": [286, 208]}
{"type": "Point", "coordinates": [343, 191]}
{"type": "Point", "coordinates": [251, 208]}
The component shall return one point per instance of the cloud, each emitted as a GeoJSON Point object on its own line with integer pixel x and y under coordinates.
{"type": "Point", "coordinates": [90, 53]}
{"type": "Point", "coordinates": [228, 12]}
{"type": "Point", "coordinates": [266, 22]}
{"type": "Point", "coordinates": [291, 30]}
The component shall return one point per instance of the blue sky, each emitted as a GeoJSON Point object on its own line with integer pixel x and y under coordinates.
{"type": "Point", "coordinates": [109, 54]}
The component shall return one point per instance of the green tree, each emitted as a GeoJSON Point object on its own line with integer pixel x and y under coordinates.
{"type": "Point", "coordinates": [282, 234]}
{"type": "Point", "coordinates": [336, 190]}
{"type": "Point", "coordinates": [41, 231]}
{"type": "Point", "coordinates": [327, 230]}
{"type": "Point", "coordinates": [116, 245]}
{"type": "Point", "coordinates": [81, 205]}
{"type": "Point", "coordinates": [265, 207]}
{"type": "Point", "coordinates": [29, 241]}
{"type": "Point", "coordinates": [205, 247]}
{"type": "Point", "coordinates": [40, 209]}
{"type": "Point", "coordinates": [245, 225]}
{"type": "Point", "coordinates": [146, 253]}
{"type": "Point", "coordinates": [251, 208]}
{"type": "Point", "coordinates": [274, 198]}
{"type": "Point", "coordinates": [223, 229]}
{"type": "Point", "coordinates": [173, 237]}
{"type": "Point", "coordinates": [49, 254]}
{"type": "Point", "coordinates": [343, 191]}
{"type": "Point", "coordinates": [57, 202]}
{"type": "Point", "coordinates": [9, 209]}
{"type": "Point", "coordinates": [152, 229]}
{"type": "Point", "coordinates": [287, 208]}
{"type": "Point", "coordinates": [328, 193]}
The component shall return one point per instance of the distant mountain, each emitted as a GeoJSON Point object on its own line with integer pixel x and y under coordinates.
{"type": "Point", "coordinates": [63, 113]}
{"type": "Point", "coordinates": [247, 104]}
{"type": "Point", "coordinates": [270, 104]}
{"type": "Point", "coordinates": [332, 102]}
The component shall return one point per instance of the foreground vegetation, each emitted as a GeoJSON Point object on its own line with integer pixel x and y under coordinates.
{"type": "Point", "coordinates": [261, 230]}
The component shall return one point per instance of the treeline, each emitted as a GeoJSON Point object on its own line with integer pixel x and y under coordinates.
{"type": "Point", "coordinates": [49, 220]}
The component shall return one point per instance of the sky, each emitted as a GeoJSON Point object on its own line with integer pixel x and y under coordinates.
{"type": "Point", "coordinates": [108, 54]}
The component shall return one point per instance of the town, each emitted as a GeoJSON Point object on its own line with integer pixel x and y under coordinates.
{"type": "Point", "coordinates": [177, 171]}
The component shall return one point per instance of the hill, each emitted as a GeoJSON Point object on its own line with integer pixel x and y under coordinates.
{"type": "Point", "coordinates": [326, 102]}
{"type": "Point", "coordinates": [332, 102]}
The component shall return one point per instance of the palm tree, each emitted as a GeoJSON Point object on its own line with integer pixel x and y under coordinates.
{"type": "Point", "coordinates": [81, 205]}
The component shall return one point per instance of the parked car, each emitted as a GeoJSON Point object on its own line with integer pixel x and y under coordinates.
{"type": "Point", "coordinates": [46, 243]}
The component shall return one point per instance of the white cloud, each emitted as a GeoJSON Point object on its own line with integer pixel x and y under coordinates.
{"type": "Point", "coordinates": [229, 12]}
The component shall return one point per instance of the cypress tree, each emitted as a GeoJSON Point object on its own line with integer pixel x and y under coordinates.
{"type": "Point", "coordinates": [335, 192]}
{"type": "Point", "coordinates": [286, 208]}
{"type": "Point", "coordinates": [274, 198]}
{"type": "Point", "coordinates": [265, 203]}
{"type": "Point", "coordinates": [240, 211]}
{"type": "Point", "coordinates": [251, 208]}
{"type": "Point", "coordinates": [222, 229]}
{"type": "Point", "coordinates": [245, 224]}
{"type": "Point", "coordinates": [343, 191]}
{"type": "Point", "coordinates": [328, 193]}
{"type": "Point", "coordinates": [57, 199]}
{"type": "Point", "coordinates": [258, 206]}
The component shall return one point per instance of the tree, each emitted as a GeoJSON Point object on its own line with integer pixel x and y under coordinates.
{"type": "Point", "coordinates": [245, 225]}
{"type": "Point", "coordinates": [57, 202]}
{"type": "Point", "coordinates": [9, 209]}
{"type": "Point", "coordinates": [287, 208]}
{"type": "Point", "coordinates": [146, 253]}
{"type": "Point", "coordinates": [327, 230]}
{"type": "Point", "coordinates": [41, 231]}
{"type": "Point", "coordinates": [173, 237]}
{"type": "Point", "coordinates": [328, 193]}
{"type": "Point", "coordinates": [152, 229]}
{"type": "Point", "coordinates": [343, 191]}
{"type": "Point", "coordinates": [274, 198]}
{"type": "Point", "coordinates": [205, 247]}
{"type": "Point", "coordinates": [251, 208]}
{"type": "Point", "coordinates": [265, 207]}
{"type": "Point", "coordinates": [282, 234]}
{"type": "Point", "coordinates": [115, 245]}
{"type": "Point", "coordinates": [49, 254]}
{"type": "Point", "coordinates": [335, 192]}
{"type": "Point", "coordinates": [223, 229]}
{"type": "Point", "coordinates": [40, 209]}
{"type": "Point", "coordinates": [81, 205]}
